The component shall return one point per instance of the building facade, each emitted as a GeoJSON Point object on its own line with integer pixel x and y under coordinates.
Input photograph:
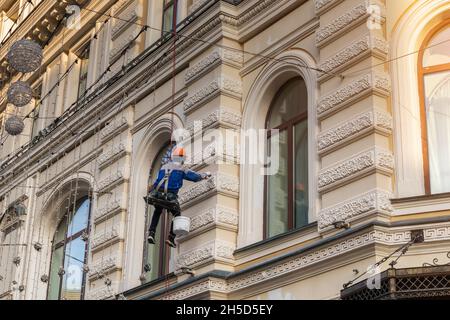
{"type": "Point", "coordinates": [357, 91]}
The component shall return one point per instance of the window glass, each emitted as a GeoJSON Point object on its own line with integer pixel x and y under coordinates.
{"type": "Point", "coordinates": [437, 104]}
{"type": "Point", "coordinates": [438, 51]}
{"type": "Point", "coordinates": [277, 191]}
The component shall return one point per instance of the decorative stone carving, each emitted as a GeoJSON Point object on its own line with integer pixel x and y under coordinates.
{"type": "Point", "coordinates": [212, 153]}
{"type": "Point", "coordinates": [437, 234]}
{"type": "Point", "coordinates": [204, 286]}
{"type": "Point", "coordinates": [341, 23]}
{"type": "Point", "coordinates": [103, 267]}
{"type": "Point", "coordinates": [121, 43]}
{"type": "Point", "coordinates": [371, 202]}
{"type": "Point", "coordinates": [103, 293]}
{"type": "Point", "coordinates": [323, 5]}
{"type": "Point", "coordinates": [352, 52]}
{"type": "Point", "coordinates": [113, 128]}
{"type": "Point", "coordinates": [360, 164]}
{"type": "Point", "coordinates": [213, 216]}
{"type": "Point", "coordinates": [100, 240]}
{"type": "Point", "coordinates": [217, 183]}
{"type": "Point", "coordinates": [350, 129]}
{"type": "Point", "coordinates": [211, 61]}
{"type": "Point", "coordinates": [112, 154]}
{"type": "Point", "coordinates": [220, 116]}
{"type": "Point", "coordinates": [127, 17]}
{"type": "Point", "coordinates": [111, 209]}
{"type": "Point", "coordinates": [345, 95]}
{"type": "Point", "coordinates": [223, 85]}
{"type": "Point", "coordinates": [210, 251]}
{"type": "Point", "coordinates": [110, 182]}
{"type": "Point", "coordinates": [294, 263]}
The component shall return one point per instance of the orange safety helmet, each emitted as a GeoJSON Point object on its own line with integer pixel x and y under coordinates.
{"type": "Point", "coordinates": [178, 154]}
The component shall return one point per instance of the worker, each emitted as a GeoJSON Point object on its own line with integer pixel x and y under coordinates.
{"type": "Point", "coordinates": [163, 194]}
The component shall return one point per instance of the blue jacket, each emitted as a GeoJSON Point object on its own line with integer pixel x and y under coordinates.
{"type": "Point", "coordinates": [177, 173]}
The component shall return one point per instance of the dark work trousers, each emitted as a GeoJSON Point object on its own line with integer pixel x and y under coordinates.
{"type": "Point", "coordinates": [155, 220]}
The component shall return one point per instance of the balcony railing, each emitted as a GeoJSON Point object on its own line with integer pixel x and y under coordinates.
{"type": "Point", "coordinates": [401, 284]}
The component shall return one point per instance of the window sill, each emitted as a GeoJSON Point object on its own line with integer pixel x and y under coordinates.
{"type": "Point", "coordinates": [421, 204]}
{"type": "Point", "coordinates": [276, 246]}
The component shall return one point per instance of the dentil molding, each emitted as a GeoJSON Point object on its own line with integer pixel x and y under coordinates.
{"type": "Point", "coordinates": [360, 164]}
{"type": "Point", "coordinates": [349, 130]}
{"type": "Point", "coordinates": [375, 201]}
{"type": "Point", "coordinates": [344, 96]}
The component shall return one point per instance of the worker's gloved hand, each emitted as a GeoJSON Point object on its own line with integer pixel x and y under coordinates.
{"type": "Point", "coordinates": [206, 175]}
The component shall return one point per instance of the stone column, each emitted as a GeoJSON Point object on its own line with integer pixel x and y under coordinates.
{"type": "Point", "coordinates": [355, 147]}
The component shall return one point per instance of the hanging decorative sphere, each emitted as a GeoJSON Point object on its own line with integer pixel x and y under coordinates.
{"type": "Point", "coordinates": [25, 56]}
{"type": "Point", "coordinates": [20, 94]}
{"type": "Point", "coordinates": [14, 125]}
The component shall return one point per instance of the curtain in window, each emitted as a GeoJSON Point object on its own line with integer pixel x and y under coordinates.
{"type": "Point", "coordinates": [437, 91]}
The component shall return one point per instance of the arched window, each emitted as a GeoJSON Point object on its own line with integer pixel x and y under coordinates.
{"type": "Point", "coordinates": [69, 254]}
{"type": "Point", "coordinates": [434, 86]}
{"type": "Point", "coordinates": [286, 200]}
{"type": "Point", "coordinates": [157, 256]}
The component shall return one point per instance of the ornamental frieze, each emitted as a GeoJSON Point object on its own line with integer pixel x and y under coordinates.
{"type": "Point", "coordinates": [326, 33]}
{"type": "Point", "coordinates": [211, 251]}
{"type": "Point", "coordinates": [354, 51]}
{"type": "Point", "coordinates": [202, 96]}
{"type": "Point", "coordinates": [371, 202]}
{"type": "Point", "coordinates": [353, 128]}
{"type": "Point", "coordinates": [348, 169]}
{"type": "Point", "coordinates": [344, 96]}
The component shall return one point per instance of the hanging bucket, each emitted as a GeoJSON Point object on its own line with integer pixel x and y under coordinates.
{"type": "Point", "coordinates": [181, 226]}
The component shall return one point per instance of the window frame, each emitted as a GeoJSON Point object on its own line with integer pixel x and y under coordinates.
{"type": "Point", "coordinates": [288, 125]}
{"type": "Point", "coordinates": [63, 243]}
{"type": "Point", "coordinates": [422, 72]}
{"type": "Point", "coordinates": [174, 4]}
{"type": "Point", "coordinates": [164, 224]}
{"type": "Point", "coordinates": [83, 77]}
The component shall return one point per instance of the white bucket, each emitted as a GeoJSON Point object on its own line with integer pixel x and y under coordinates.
{"type": "Point", "coordinates": [181, 226]}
